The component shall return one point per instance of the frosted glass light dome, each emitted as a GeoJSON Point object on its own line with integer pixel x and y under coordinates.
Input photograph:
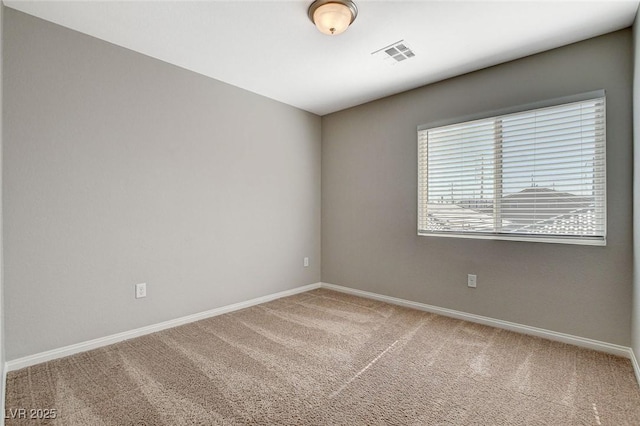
{"type": "Point", "coordinates": [332, 17]}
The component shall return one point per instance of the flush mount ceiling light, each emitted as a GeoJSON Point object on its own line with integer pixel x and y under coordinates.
{"type": "Point", "coordinates": [332, 17]}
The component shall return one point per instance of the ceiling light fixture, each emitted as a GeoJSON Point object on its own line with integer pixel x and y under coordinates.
{"type": "Point", "coordinates": [332, 17]}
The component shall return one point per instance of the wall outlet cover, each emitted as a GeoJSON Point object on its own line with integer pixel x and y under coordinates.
{"type": "Point", "coordinates": [141, 290]}
{"type": "Point", "coordinates": [472, 280]}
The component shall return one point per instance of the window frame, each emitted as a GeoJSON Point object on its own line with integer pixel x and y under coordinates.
{"type": "Point", "coordinates": [543, 238]}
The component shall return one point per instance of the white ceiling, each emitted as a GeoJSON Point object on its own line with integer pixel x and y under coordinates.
{"type": "Point", "coordinates": [271, 48]}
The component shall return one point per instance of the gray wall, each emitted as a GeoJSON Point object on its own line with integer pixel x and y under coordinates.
{"type": "Point", "coordinates": [369, 205]}
{"type": "Point", "coordinates": [2, 346]}
{"type": "Point", "coordinates": [635, 326]}
{"type": "Point", "coordinates": [122, 169]}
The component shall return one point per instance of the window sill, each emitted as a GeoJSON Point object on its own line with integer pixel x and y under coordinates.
{"type": "Point", "coordinates": [588, 241]}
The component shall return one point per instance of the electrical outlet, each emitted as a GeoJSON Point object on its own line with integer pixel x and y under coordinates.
{"type": "Point", "coordinates": [471, 280]}
{"type": "Point", "coordinates": [141, 290]}
{"type": "Point", "coordinates": [306, 262]}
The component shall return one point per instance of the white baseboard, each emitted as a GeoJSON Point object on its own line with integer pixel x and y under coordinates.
{"type": "Point", "coordinates": [519, 328]}
{"type": "Point", "coordinates": [30, 360]}
{"type": "Point", "coordinates": [41, 357]}
{"type": "Point", "coordinates": [3, 390]}
{"type": "Point", "coordinates": [636, 366]}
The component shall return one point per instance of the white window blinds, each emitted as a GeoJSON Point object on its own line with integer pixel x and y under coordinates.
{"type": "Point", "coordinates": [532, 175]}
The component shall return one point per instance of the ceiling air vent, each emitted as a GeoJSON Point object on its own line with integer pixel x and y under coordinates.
{"type": "Point", "coordinates": [398, 51]}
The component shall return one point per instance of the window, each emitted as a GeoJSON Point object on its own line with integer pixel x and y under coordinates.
{"type": "Point", "coordinates": [536, 173]}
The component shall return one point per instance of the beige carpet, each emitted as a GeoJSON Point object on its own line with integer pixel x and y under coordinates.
{"type": "Point", "coordinates": [327, 358]}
